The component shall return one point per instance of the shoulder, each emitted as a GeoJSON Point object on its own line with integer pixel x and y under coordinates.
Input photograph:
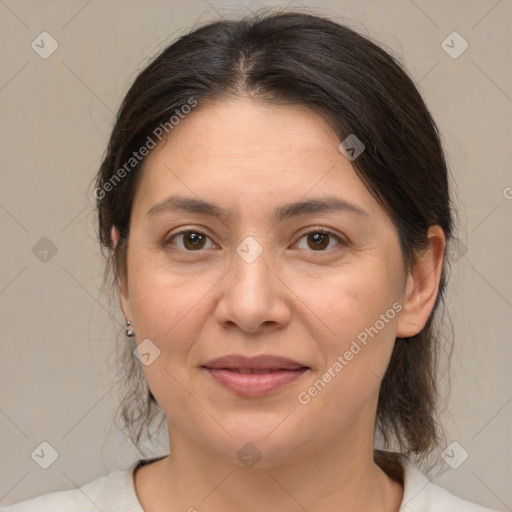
{"type": "Point", "coordinates": [85, 499]}
{"type": "Point", "coordinates": [111, 492]}
{"type": "Point", "coordinates": [421, 495]}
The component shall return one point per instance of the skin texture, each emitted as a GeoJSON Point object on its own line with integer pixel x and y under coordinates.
{"type": "Point", "coordinates": [294, 301]}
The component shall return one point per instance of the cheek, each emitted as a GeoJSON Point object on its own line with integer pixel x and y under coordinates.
{"type": "Point", "coordinates": [356, 300]}
{"type": "Point", "coordinates": [162, 301]}
{"type": "Point", "coordinates": [356, 356]}
{"type": "Point", "coordinates": [361, 307]}
{"type": "Point", "coordinates": [167, 309]}
{"type": "Point", "coordinates": [159, 309]}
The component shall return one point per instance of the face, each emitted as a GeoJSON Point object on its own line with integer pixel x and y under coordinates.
{"type": "Point", "coordinates": [320, 286]}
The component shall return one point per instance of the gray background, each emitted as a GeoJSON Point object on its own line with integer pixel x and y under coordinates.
{"type": "Point", "coordinates": [57, 375]}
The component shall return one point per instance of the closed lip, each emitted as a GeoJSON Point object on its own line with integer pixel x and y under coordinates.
{"type": "Point", "coordinates": [262, 362]}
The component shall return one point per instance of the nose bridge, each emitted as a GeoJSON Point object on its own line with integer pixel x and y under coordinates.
{"type": "Point", "coordinates": [251, 296]}
{"type": "Point", "coordinates": [251, 265]}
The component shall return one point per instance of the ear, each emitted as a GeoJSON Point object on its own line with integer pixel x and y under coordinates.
{"type": "Point", "coordinates": [124, 300]}
{"type": "Point", "coordinates": [422, 286]}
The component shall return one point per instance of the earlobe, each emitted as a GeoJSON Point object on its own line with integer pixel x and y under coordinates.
{"type": "Point", "coordinates": [422, 286]}
{"type": "Point", "coordinates": [114, 235]}
{"type": "Point", "coordinates": [124, 301]}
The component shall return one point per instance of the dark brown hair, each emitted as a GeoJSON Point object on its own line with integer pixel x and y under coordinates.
{"type": "Point", "coordinates": [307, 60]}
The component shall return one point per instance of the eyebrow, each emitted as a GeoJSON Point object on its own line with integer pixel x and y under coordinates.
{"type": "Point", "coordinates": [174, 204]}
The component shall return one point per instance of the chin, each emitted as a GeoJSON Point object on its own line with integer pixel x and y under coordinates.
{"type": "Point", "coordinates": [258, 442]}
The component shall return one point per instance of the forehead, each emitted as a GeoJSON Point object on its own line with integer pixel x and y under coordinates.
{"type": "Point", "coordinates": [242, 150]}
{"type": "Point", "coordinates": [220, 131]}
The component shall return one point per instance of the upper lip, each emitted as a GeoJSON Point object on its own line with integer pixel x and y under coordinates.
{"type": "Point", "coordinates": [262, 362]}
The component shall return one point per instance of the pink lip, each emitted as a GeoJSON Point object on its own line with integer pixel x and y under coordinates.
{"type": "Point", "coordinates": [271, 373]}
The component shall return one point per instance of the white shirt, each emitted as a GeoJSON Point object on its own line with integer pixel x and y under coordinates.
{"type": "Point", "coordinates": [115, 492]}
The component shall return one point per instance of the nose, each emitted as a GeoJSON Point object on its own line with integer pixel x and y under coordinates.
{"type": "Point", "coordinates": [253, 297]}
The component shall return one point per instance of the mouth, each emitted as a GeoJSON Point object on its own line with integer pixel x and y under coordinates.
{"type": "Point", "coordinates": [255, 377]}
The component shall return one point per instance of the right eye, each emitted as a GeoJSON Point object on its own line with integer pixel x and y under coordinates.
{"type": "Point", "coordinates": [192, 240]}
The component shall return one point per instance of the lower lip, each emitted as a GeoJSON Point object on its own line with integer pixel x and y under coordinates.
{"type": "Point", "coordinates": [255, 384]}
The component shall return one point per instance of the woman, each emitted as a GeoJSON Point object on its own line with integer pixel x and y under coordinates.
{"type": "Point", "coordinates": [275, 200]}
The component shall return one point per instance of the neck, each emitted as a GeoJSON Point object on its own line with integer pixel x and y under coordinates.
{"type": "Point", "coordinates": [343, 477]}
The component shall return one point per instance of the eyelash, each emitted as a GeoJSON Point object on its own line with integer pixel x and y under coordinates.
{"type": "Point", "coordinates": [316, 230]}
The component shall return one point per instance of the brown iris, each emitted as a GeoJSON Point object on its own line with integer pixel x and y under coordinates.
{"type": "Point", "coordinates": [320, 240]}
{"type": "Point", "coordinates": [196, 240]}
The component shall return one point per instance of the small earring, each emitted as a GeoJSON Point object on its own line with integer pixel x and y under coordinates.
{"type": "Point", "coordinates": [129, 331]}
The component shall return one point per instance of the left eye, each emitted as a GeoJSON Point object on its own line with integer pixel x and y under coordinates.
{"type": "Point", "coordinates": [319, 240]}
{"type": "Point", "coordinates": [194, 240]}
